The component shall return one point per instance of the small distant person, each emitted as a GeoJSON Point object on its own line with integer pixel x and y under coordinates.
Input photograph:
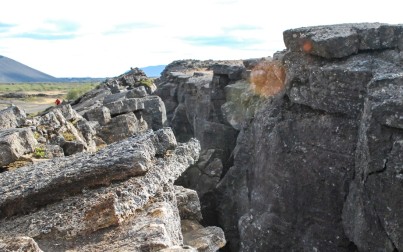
{"type": "Point", "coordinates": [57, 102]}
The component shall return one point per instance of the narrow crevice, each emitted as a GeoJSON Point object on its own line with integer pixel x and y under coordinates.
{"type": "Point", "coordinates": [124, 113]}
{"type": "Point", "coordinates": [378, 171]}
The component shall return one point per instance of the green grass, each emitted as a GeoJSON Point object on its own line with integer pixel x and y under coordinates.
{"type": "Point", "coordinates": [147, 82]}
{"type": "Point", "coordinates": [78, 91]}
{"type": "Point", "coordinates": [39, 152]}
{"type": "Point", "coordinates": [45, 87]}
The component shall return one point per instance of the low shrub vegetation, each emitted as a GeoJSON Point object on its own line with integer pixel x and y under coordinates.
{"type": "Point", "coordinates": [40, 152]}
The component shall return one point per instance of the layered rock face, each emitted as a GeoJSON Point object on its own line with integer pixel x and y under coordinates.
{"type": "Point", "coordinates": [120, 198]}
{"type": "Point", "coordinates": [319, 167]}
{"type": "Point", "coordinates": [101, 179]}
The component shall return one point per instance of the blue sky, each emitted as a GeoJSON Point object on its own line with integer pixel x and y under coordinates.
{"type": "Point", "coordinates": [79, 38]}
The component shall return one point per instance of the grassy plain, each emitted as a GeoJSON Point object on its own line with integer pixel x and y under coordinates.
{"type": "Point", "coordinates": [33, 103]}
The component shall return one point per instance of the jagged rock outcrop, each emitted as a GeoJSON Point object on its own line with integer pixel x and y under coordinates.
{"type": "Point", "coordinates": [203, 101]}
{"type": "Point", "coordinates": [317, 167]}
{"type": "Point", "coordinates": [14, 143]}
{"type": "Point", "coordinates": [132, 79]}
{"type": "Point", "coordinates": [100, 117]}
{"type": "Point", "coordinates": [119, 198]}
{"type": "Point", "coordinates": [12, 117]}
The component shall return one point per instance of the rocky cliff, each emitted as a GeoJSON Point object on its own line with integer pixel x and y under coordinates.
{"type": "Point", "coordinates": [302, 152]}
{"type": "Point", "coordinates": [98, 175]}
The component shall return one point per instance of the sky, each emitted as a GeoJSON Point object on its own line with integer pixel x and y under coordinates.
{"type": "Point", "coordinates": [88, 38]}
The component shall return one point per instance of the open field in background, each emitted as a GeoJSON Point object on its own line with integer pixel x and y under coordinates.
{"type": "Point", "coordinates": [49, 93]}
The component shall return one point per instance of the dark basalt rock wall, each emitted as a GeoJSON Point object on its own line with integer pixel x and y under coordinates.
{"type": "Point", "coordinates": [319, 167]}
{"type": "Point", "coordinates": [316, 166]}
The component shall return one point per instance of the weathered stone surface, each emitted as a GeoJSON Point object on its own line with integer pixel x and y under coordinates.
{"type": "Point", "coordinates": [336, 87]}
{"type": "Point", "coordinates": [337, 41]}
{"type": "Point", "coordinates": [53, 151]}
{"type": "Point", "coordinates": [125, 106]}
{"type": "Point", "coordinates": [204, 177]}
{"type": "Point", "coordinates": [232, 203]}
{"type": "Point", "coordinates": [64, 177]}
{"type": "Point", "coordinates": [14, 143]}
{"type": "Point", "coordinates": [154, 112]}
{"type": "Point", "coordinates": [23, 244]}
{"type": "Point", "coordinates": [233, 71]}
{"type": "Point", "coordinates": [115, 97]}
{"type": "Point", "coordinates": [369, 215]}
{"type": "Point", "coordinates": [137, 92]}
{"type": "Point", "coordinates": [72, 147]}
{"type": "Point", "coordinates": [188, 204]}
{"type": "Point", "coordinates": [180, 123]}
{"type": "Point", "coordinates": [241, 103]}
{"type": "Point", "coordinates": [300, 147]}
{"type": "Point", "coordinates": [205, 174]}
{"type": "Point", "coordinates": [88, 130]}
{"type": "Point", "coordinates": [194, 99]}
{"type": "Point", "coordinates": [69, 113]}
{"type": "Point", "coordinates": [216, 136]}
{"type": "Point", "coordinates": [121, 127]}
{"type": "Point", "coordinates": [90, 100]}
{"type": "Point", "coordinates": [100, 114]}
{"type": "Point", "coordinates": [209, 239]}
{"type": "Point", "coordinates": [12, 117]}
{"type": "Point", "coordinates": [318, 168]}
{"type": "Point", "coordinates": [115, 207]}
{"type": "Point", "coordinates": [184, 248]}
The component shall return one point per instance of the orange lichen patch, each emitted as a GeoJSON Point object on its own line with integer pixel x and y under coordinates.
{"type": "Point", "coordinates": [268, 78]}
{"type": "Point", "coordinates": [307, 46]}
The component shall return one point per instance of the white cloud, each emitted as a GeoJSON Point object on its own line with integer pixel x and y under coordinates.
{"type": "Point", "coordinates": [106, 38]}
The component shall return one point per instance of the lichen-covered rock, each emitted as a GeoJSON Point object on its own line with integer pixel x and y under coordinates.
{"type": "Point", "coordinates": [241, 103]}
{"type": "Point", "coordinates": [12, 117]}
{"type": "Point", "coordinates": [14, 143]}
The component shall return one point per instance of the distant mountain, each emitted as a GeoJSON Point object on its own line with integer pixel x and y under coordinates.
{"type": "Point", "coordinates": [14, 71]}
{"type": "Point", "coordinates": [153, 71]}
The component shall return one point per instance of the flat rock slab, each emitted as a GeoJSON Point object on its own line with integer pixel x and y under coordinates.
{"type": "Point", "coordinates": [25, 189]}
{"type": "Point", "coordinates": [131, 210]}
{"type": "Point", "coordinates": [342, 40]}
{"type": "Point", "coordinates": [125, 106]}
